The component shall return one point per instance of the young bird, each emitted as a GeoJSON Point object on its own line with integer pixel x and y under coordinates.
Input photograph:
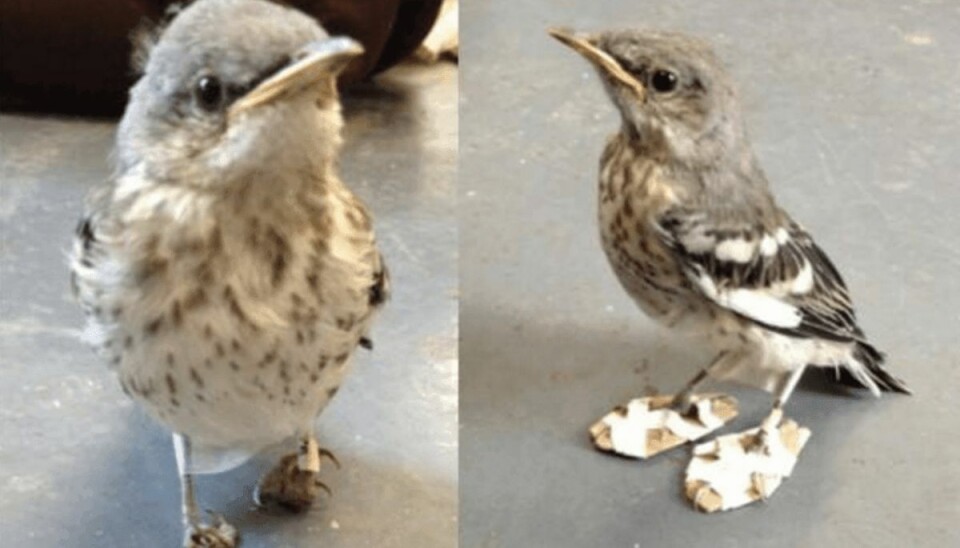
{"type": "Point", "coordinates": [226, 272]}
{"type": "Point", "coordinates": [693, 233]}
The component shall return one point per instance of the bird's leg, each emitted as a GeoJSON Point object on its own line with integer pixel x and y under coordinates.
{"type": "Point", "coordinates": [308, 459]}
{"type": "Point", "coordinates": [783, 393]}
{"type": "Point", "coordinates": [188, 500]}
{"type": "Point", "coordinates": [196, 533]}
{"type": "Point", "coordinates": [737, 469]}
{"type": "Point", "coordinates": [682, 401]}
{"type": "Point", "coordinates": [292, 484]}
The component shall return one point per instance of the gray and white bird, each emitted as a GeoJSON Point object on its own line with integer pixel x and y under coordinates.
{"type": "Point", "coordinates": [226, 272]}
{"type": "Point", "coordinates": [693, 233]}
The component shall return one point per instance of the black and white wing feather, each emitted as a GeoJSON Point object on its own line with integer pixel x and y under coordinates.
{"type": "Point", "coordinates": [91, 271]}
{"type": "Point", "coordinates": [777, 278]}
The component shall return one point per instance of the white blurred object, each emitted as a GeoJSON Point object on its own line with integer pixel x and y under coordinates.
{"type": "Point", "coordinates": [444, 37]}
{"type": "Point", "coordinates": [648, 426]}
{"type": "Point", "coordinates": [737, 469]}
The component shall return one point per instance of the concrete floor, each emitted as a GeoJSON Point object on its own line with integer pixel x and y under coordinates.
{"type": "Point", "coordinates": [81, 466]}
{"type": "Point", "coordinates": [855, 114]}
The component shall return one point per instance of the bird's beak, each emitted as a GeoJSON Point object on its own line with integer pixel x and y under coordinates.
{"type": "Point", "coordinates": [309, 66]}
{"type": "Point", "coordinates": [599, 58]}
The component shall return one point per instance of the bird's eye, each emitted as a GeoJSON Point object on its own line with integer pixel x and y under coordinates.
{"type": "Point", "coordinates": [663, 81]}
{"type": "Point", "coordinates": [209, 93]}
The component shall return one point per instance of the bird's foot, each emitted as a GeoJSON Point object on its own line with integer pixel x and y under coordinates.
{"type": "Point", "coordinates": [737, 469]}
{"type": "Point", "coordinates": [218, 535]}
{"type": "Point", "coordinates": [762, 440]}
{"type": "Point", "coordinates": [649, 426]}
{"type": "Point", "coordinates": [293, 484]}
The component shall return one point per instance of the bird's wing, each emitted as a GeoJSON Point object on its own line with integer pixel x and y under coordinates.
{"type": "Point", "coordinates": [84, 252]}
{"type": "Point", "coordinates": [92, 232]}
{"type": "Point", "coordinates": [380, 290]}
{"type": "Point", "coordinates": [777, 278]}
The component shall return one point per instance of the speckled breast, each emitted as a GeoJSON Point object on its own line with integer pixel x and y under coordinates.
{"type": "Point", "coordinates": [630, 199]}
{"type": "Point", "coordinates": [245, 347]}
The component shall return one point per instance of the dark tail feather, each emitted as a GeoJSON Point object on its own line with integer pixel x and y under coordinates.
{"type": "Point", "coordinates": [873, 360]}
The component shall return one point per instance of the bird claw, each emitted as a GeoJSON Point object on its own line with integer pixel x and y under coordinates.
{"type": "Point", "coordinates": [219, 534]}
{"type": "Point", "coordinates": [291, 487]}
{"type": "Point", "coordinates": [324, 486]}
{"type": "Point", "coordinates": [327, 453]}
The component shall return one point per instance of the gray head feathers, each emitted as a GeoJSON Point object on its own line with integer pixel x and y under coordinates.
{"type": "Point", "coordinates": [691, 102]}
{"type": "Point", "coordinates": [177, 125]}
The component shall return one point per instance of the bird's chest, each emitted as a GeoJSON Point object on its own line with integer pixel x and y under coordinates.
{"type": "Point", "coordinates": [631, 198]}
{"type": "Point", "coordinates": [253, 310]}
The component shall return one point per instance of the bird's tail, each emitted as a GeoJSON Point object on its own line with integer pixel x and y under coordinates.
{"type": "Point", "coordinates": [872, 375]}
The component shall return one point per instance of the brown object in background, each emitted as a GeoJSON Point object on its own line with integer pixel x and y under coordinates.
{"type": "Point", "coordinates": [74, 57]}
{"type": "Point", "coordinates": [390, 30]}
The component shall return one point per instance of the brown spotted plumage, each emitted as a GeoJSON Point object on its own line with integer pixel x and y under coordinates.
{"type": "Point", "coordinates": [693, 232]}
{"type": "Point", "coordinates": [229, 242]}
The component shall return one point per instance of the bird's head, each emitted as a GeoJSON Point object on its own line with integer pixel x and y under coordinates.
{"type": "Point", "coordinates": [669, 88]}
{"type": "Point", "coordinates": [233, 88]}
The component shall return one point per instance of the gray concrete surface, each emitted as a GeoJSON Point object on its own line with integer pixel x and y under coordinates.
{"type": "Point", "coordinates": [854, 108]}
{"type": "Point", "coordinates": [81, 466]}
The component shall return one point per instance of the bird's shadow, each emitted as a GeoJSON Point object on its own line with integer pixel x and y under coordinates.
{"type": "Point", "coordinates": [379, 104]}
{"type": "Point", "coordinates": [371, 92]}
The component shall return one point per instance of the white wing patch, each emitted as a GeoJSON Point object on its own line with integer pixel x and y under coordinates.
{"type": "Point", "coordinates": [803, 283]}
{"type": "Point", "coordinates": [758, 304]}
{"type": "Point", "coordinates": [768, 246]}
{"type": "Point", "coordinates": [735, 250]}
{"type": "Point", "coordinates": [782, 235]}
{"type": "Point", "coordinates": [698, 241]}
{"type": "Point", "coordinates": [763, 307]}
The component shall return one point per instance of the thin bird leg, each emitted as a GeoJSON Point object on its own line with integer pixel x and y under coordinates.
{"type": "Point", "coordinates": [682, 401]}
{"type": "Point", "coordinates": [197, 534]}
{"type": "Point", "coordinates": [787, 384]}
{"type": "Point", "coordinates": [308, 459]}
{"type": "Point", "coordinates": [188, 502]}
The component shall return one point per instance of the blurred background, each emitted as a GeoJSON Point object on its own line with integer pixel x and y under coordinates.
{"type": "Point", "coordinates": [74, 57]}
